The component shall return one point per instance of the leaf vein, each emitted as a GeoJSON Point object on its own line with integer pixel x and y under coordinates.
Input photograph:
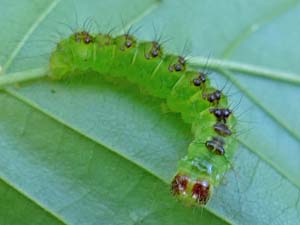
{"type": "Point", "coordinates": [32, 28]}
{"type": "Point", "coordinates": [252, 28]}
{"type": "Point", "coordinates": [57, 217]}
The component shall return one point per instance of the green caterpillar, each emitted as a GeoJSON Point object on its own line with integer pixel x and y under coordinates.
{"type": "Point", "coordinates": [167, 77]}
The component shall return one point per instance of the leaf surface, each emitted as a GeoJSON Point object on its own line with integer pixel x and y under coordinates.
{"type": "Point", "coordinates": [88, 152]}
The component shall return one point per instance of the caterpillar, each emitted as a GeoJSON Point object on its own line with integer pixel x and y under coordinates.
{"type": "Point", "coordinates": [168, 77]}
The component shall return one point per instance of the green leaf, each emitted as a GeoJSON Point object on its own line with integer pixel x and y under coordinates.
{"type": "Point", "coordinates": [87, 152]}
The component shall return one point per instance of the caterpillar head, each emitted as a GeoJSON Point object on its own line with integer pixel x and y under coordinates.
{"type": "Point", "coordinates": [192, 192]}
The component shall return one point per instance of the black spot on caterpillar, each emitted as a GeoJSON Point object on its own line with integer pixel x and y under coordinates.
{"type": "Point", "coordinates": [167, 77]}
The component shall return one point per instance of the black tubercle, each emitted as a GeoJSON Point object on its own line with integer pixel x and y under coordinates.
{"type": "Point", "coordinates": [128, 41]}
{"type": "Point", "coordinates": [181, 60]}
{"type": "Point", "coordinates": [155, 51]}
{"type": "Point", "coordinates": [197, 82]}
{"type": "Point", "coordinates": [222, 114]}
{"type": "Point", "coordinates": [222, 129]}
{"type": "Point", "coordinates": [179, 65]}
{"type": "Point", "coordinates": [216, 145]}
{"type": "Point", "coordinates": [202, 77]}
{"type": "Point", "coordinates": [213, 97]}
{"type": "Point", "coordinates": [84, 37]}
{"type": "Point", "coordinates": [200, 80]}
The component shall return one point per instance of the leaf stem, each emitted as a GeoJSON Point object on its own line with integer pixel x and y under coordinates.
{"type": "Point", "coordinates": [218, 64]}
{"type": "Point", "coordinates": [12, 78]}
